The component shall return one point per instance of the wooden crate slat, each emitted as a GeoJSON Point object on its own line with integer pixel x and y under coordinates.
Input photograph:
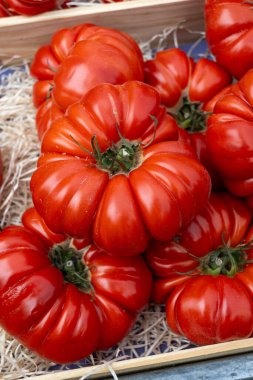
{"type": "Point", "coordinates": [156, 361]}
{"type": "Point", "coordinates": [141, 18]}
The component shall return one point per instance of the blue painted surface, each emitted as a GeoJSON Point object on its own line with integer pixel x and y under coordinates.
{"type": "Point", "coordinates": [237, 367]}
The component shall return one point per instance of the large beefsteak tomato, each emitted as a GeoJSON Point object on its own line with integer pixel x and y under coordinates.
{"type": "Point", "coordinates": [61, 302]}
{"type": "Point", "coordinates": [229, 31]}
{"type": "Point", "coordinates": [101, 172]}
{"type": "Point", "coordinates": [204, 276]}
{"type": "Point", "coordinates": [186, 89]}
{"type": "Point", "coordinates": [230, 136]}
{"type": "Point", "coordinates": [78, 59]}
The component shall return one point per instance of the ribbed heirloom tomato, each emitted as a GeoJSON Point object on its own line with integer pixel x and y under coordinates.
{"type": "Point", "coordinates": [230, 136]}
{"type": "Point", "coordinates": [76, 60]}
{"type": "Point", "coordinates": [102, 172]}
{"type": "Point", "coordinates": [186, 88]}
{"type": "Point", "coordinates": [64, 303]}
{"type": "Point", "coordinates": [203, 274]}
{"type": "Point", "coordinates": [229, 31]}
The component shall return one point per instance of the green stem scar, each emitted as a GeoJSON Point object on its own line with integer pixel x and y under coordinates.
{"type": "Point", "coordinates": [122, 156]}
{"type": "Point", "coordinates": [69, 261]}
{"type": "Point", "coordinates": [191, 117]}
{"type": "Point", "coordinates": [225, 260]}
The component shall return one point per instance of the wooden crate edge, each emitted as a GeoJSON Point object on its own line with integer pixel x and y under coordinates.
{"type": "Point", "coordinates": [84, 11]}
{"type": "Point", "coordinates": [24, 39]}
{"type": "Point", "coordinates": [155, 361]}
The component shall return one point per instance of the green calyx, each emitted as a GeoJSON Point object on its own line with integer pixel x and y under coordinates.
{"type": "Point", "coordinates": [226, 260]}
{"type": "Point", "coordinates": [121, 157]}
{"type": "Point", "coordinates": [191, 117]}
{"type": "Point", "coordinates": [69, 261]}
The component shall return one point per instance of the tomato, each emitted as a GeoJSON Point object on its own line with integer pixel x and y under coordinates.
{"type": "Point", "coordinates": [31, 7]}
{"type": "Point", "coordinates": [229, 31]}
{"type": "Point", "coordinates": [129, 188]}
{"type": "Point", "coordinates": [202, 276]}
{"type": "Point", "coordinates": [78, 59]}
{"type": "Point", "coordinates": [186, 90]}
{"type": "Point", "coordinates": [230, 136]}
{"type": "Point", "coordinates": [64, 303]}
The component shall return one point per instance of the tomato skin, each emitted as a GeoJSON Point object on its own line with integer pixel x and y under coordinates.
{"type": "Point", "coordinates": [230, 137]}
{"type": "Point", "coordinates": [84, 199]}
{"type": "Point", "coordinates": [78, 59]}
{"type": "Point", "coordinates": [206, 309]}
{"type": "Point", "coordinates": [47, 113]}
{"type": "Point", "coordinates": [53, 317]}
{"type": "Point", "coordinates": [229, 31]}
{"type": "Point", "coordinates": [32, 7]}
{"type": "Point", "coordinates": [250, 202]}
{"type": "Point", "coordinates": [176, 77]}
{"type": "Point", "coordinates": [210, 310]}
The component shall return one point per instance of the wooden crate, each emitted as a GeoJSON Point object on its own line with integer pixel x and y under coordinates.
{"type": "Point", "coordinates": [156, 361]}
{"type": "Point", "coordinates": [142, 19]}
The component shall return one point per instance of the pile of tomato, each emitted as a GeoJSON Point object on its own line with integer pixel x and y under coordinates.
{"type": "Point", "coordinates": [143, 191]}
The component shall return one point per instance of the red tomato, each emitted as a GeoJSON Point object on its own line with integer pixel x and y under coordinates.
{"type": "Point", "coordinates": [78, 59]}
{"type": "Point", "coordinates": [63, 303]}
{"type": "Point", "coordinates": [203, 276]}
{"type": "Point", "coordinates": [230, 136]}
{"type": "Point", "coordinates": [31, 7]}
{"type": "Point", "coordinates": [229, 31]}
{"type": "Point", "coordinates": [125, 192]}
{"type": "Point", "coordinates": [186, 89]}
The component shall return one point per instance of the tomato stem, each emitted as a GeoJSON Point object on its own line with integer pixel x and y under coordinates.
{"type": "Point", "coordinates": [69, 261]}
{"type": "Point", "coordinates": [120, 157]}
{"type": "Point", "coordinates": [191, 117]}
{"type": "Point", "coordinates": [156, 122]}
{"type": "Point", "coordinates": [226, 260]}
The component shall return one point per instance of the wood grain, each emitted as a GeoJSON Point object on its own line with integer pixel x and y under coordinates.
{"type": "Point", "coordinates": [156, 361]}
{"type": "Point", "coordinates": [142, 19]}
